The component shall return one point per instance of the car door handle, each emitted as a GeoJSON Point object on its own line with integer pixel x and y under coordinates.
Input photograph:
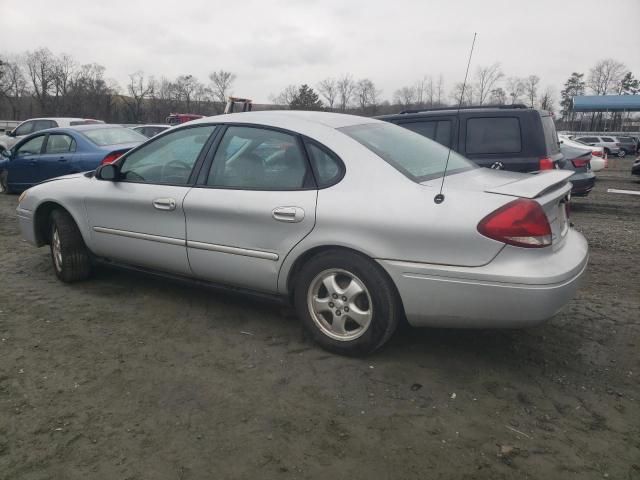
{"type": "Point", "coordinates": [288, 214]}
{"type": "Point", "coordinates": [164, 204]}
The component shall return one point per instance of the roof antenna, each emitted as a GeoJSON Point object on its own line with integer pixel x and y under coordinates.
{"type": "Point", "coordinates": [439, 198]}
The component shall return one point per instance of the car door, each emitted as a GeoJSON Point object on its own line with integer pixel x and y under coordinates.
{"type": "Point", "coordinates": [255, 202]}
{"type": "Point", "coordinates": [139, 218]}
{"type": "Point", "coordinates": [24, 162]}
{"type": "Point", "coordinates": [57, 156]}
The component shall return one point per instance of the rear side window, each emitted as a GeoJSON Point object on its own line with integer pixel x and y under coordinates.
{"type": "Point", "coordinates": [493, 135]}
{"type": "Point", "coordinates": [607, 139]}
{"type": "Point", "coordinates": [438, 130]}
{"type": "Point", "coordinates": [327, 167]}
{"type": "Point", "coordinates": [588, 140]}
{"type": "Point", "coordinates": [550, 135]}
{"type": "Point", "coordinates": [44, 124]}
{"type": "Point", "coordinates": [60, 144]}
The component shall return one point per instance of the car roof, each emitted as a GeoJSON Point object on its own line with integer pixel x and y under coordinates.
{"type": "Point", "coordinates": [286, 118]}
{"type": "Point", "coordinates": [152, 125]}
{"type": "Point", "coordinates": [507, 110]}
{"type": "Point", "coordinates": [70, 119]}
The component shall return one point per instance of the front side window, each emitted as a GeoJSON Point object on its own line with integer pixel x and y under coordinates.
{"type": "Point", "coordinates": [60, 144]}
{"type": "Point", "coordinates": [493, 135]}
{"type": "Point", "coordinates": [415, 156]}
{"type": "Point", "coordinates": [169, 159]}
{"type": "Point", "coordinates": [31, 147]}
{"type": "Point", "coordinates": [259, 159]}
{"type": "Point", "coordinates": [25, 129]}
{"type": "Point", "coordinates": [607, 139]}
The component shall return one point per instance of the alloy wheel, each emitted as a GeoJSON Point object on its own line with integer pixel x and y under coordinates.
{"type": "Point", "coordinates": [56, 250]}
{"type": "Point", "coordinates": [340, 304]}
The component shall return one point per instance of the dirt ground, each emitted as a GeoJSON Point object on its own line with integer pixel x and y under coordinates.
{"type": "Point", "coordinates": [128, 376]}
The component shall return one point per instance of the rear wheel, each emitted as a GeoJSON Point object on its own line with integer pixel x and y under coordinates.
{"type": "Point", "coordinates": [346, 302]}
{"type": "Point", "coordinates": [622, 153]}
{"type": "Point", "coordinates": [70, 256]}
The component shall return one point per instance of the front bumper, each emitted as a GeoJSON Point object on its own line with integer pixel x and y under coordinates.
{"type": "Point", "coordinates": [519, 288]}
{"type": "Point", "coordinates": [25, 222]}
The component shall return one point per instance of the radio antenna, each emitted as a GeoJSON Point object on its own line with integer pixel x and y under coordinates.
{"type": "Point", "coordinates": [439, 198]}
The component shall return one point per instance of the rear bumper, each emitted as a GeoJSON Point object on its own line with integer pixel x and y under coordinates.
{"type": "Point", "coordinates": [518, 288]}
{"type": "Point", "coordinates": [582, 183]}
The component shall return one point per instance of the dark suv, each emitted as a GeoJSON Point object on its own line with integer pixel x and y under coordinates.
{"type": "Point", "coordinates": [509, 137]}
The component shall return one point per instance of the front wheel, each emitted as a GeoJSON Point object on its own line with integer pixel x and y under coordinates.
{"type": "Point", "coordinates": [70, 256]}
{"type": "Point", "coordinates": [4, 183]}
{"type": "Point", "coordinates": [346, 302]}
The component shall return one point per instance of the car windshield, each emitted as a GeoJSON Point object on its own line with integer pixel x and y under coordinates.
{"type": "Point", "coordinates": [417, 157]}
{"type": "Point", "coordinates": [113, 136]}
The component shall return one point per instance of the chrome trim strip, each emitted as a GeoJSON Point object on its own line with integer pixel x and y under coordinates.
{"type": "Point", "coordinates": [233, 250]}
{"type": "Point", "coordinates": [141, 236]}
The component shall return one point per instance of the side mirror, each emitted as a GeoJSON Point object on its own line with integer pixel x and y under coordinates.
{"type": "Point", "coordinates": [6, 154]}
{"type": "Point", "coordinates": [109, 172]}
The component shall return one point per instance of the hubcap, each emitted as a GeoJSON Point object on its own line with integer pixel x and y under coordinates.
{"type": "Point", "coordinates": [56, 250]}
{"type": "Point", "coordinates": [340, 304]}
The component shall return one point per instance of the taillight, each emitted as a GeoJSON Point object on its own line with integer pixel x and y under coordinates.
{"type": "Point", "coordinates": [521, 222]}
{"type": "Point", "coordinates": [112, 157]}
{"type": "Point", "coordinates": [545, 164]}
{"type": "Point", "coordinates": [596, 153]}
{"type": "Point", "coordinates": [579, 163]}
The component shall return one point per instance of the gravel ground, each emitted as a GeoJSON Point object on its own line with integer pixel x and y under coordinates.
{"type": "Point", "coordinates": [133, 377]}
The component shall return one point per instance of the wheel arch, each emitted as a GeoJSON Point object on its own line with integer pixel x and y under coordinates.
{"type": "Point", "coordinates": [42, 222]}
{"type": "Point", "coordinates": [309, 253]}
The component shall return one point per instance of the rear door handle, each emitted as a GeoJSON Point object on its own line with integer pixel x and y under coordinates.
{"type": "Point", "coordinates": [288, 214]}
{"type": "Point", "coordinates": [164, 204]}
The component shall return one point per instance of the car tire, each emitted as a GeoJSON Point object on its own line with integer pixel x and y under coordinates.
{"type": "Point", "coordinates": [69, 254]}
{"type": "Point", "coordinates": [357, 313]}
{"type": "Point", "coordinates": [622, 153]}
{"type": "Point", "coordinates": [607, 151]}
{"type": "Point", "coordinates": [4, 184]}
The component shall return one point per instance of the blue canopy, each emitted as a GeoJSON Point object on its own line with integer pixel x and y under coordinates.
{"type": "Point", "coordinates": [606, 103]}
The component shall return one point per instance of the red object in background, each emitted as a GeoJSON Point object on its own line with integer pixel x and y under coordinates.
{"type": "Point", "coordinates": [178, 118]}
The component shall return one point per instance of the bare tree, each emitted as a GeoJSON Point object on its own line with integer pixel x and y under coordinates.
{"type": "Point", "coordinates": [346, 87]}
{"type": "Point", "coordinates": [546, 100]}
{"type": "Point", "coordinates": [221, 83]}
{"type": "Point", "coordinates": [367, 95]}
{"type": "Point", "coordinates": [286, 96]}
{"type": "Point", "coordinates": [498, 96]}
{"type": "Point", "coordinates": [462, 94]}
{"type": "Point", "coordinates": [440, 90]}
{"type": "Point", "coordinates": [328, 88]}
{"type": "Point", "coordinates": [531, 89]}
{"type": "Point", "coordinates": [40, 65]}
{"type": "Point", "coordinates": [515, 89]}
{"type": "Point", "coordinates": [486, 79]}
{"type": "Point", "coordinates": [13, 84]}
{"type": "Point", "coordinates": [406, 96]}
{"type": "Point", "coordinates": [62, 75]}
{"type": "Point", "coordinates": [186, 86]}
{"type": "Point", "coordinates": [138, 91]}
{"type": "Point", "coordinates": [605, 76]}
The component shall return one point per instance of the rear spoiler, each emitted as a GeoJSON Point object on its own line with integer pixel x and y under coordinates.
{"type": "Point", "coordinates": [533, 185]}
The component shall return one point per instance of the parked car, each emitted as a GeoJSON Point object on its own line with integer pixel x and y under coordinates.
{"type": "Point", "coordinates": [610, 145]}
{"type": "Point", "coordinates": [150, 130]}
{"type": "Point", "coordinates": [627, 146]}
{"type": "Point", "coordinates": [338, 213]}
{"type": "Point", "coordinates": [598, 162]}
{"type": "Point", "coordinates": [60, 151]}
{"type": "Point", "coordinates": [635, 168]}
{"type": "Point", "coordinates": [578, 160]}
{"type": "Point", "coordinates": [178, 118]}
{"type": "Point", "coordinates": [36, 124]}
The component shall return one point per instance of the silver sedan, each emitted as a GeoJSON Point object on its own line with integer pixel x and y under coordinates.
{"type": "Point", "coordinates": [341, 215]}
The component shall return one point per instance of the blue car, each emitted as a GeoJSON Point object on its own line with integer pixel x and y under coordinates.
{"type": "Point", "coordinates": [60, 151]}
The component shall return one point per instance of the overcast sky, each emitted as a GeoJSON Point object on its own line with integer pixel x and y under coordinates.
{"type": "Point", "coordinates": [269, 44]}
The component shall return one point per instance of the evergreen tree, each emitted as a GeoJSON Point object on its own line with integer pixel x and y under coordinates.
{"type": "Point", "coordinates": [629, 85]}
{"type": "Point", "coordinates": [306, 99]}
{"type": "Point", "coordinates": [574, 86]}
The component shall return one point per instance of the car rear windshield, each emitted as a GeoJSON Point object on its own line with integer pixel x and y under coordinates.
{"type": "Point", "coordinates": [550, 135]}
{"type": "Point", "coordinates": [113, 136]}
{"type": "Point", "coordinates": [417, 157]}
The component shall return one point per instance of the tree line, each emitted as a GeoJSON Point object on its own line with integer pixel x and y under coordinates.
{"type": "Point", "coordinates": [41, 83]}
